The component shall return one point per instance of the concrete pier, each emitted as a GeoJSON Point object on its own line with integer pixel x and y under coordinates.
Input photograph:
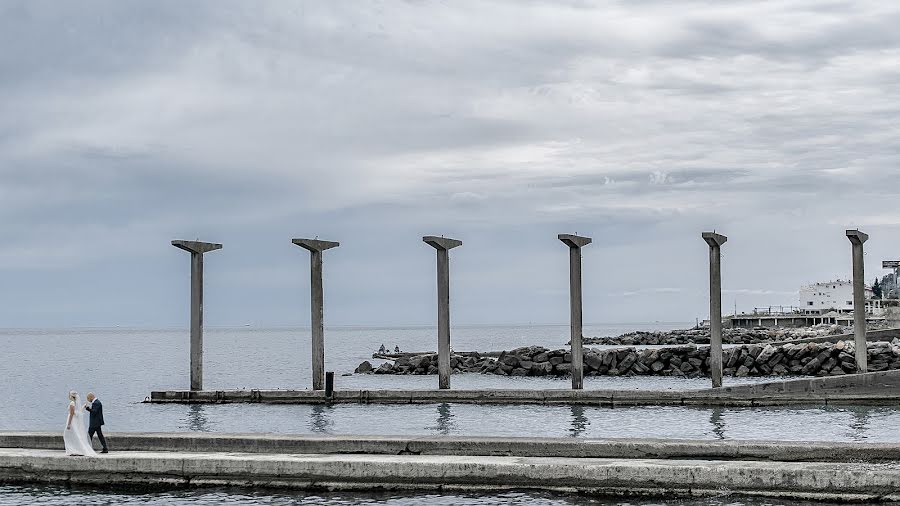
{"type": "Point", "coordinates": [210, 442]}
{"type": "Point", "coordinates": [443, 247]}
{"type": "Point", "coordinates": [715, 242]}
{"type": "Point", "coordinates": [196, 249]}
{"type": "Point", "coordinates": [575, 243]}
{"type": "Point", "coordinates": [667, 469]}
{"type": "Point", "coordinates": [874, 388]}
{"type": "Point", "coordinates": [317, 305]}
{"type": "Point", "coordinates": [857, 239]}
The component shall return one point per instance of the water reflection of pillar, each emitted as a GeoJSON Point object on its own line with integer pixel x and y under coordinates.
{"type": "Point", "coordinates": [444, 419]}
{"type": "Point", "coordinates": [196, 418]}
{"type": "Point", "coordinates": [859, 425]}
{"type": "Point", "coordinates": [718, 425]}
{"type": "Point", "coordinates": [579, 421]}
{"type": "Point", "coordinates": [319, 418]}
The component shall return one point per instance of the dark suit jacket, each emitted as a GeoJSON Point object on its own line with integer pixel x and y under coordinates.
{"type": "Point", "coordinates": [96, 409]}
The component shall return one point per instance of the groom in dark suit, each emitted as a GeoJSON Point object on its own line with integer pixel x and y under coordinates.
{"type": "Point", "coordinates": [96, 423]}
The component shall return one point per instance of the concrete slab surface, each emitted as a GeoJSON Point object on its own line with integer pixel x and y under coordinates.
{"type": "Point", "coordinates": [627, 477]}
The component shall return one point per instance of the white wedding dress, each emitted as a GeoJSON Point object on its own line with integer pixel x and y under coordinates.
{"type": "Point", "coordinates": [76, 437]}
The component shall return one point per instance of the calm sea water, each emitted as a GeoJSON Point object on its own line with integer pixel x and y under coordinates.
{"type": "Point", "coordinates": [122, 366]}
{"type": "Point", "coordinates": [83, 496]}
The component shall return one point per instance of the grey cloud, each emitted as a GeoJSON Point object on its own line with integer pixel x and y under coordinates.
{"type": "Point", "coordinates": [124, 125]}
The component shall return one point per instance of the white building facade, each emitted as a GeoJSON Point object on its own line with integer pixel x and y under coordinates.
{"type": "Point", "coordinates": [820, 298]}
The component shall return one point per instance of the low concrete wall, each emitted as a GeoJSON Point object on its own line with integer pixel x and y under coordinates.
{"type": "Point", "coordinates": [781, 451]}
{"type": "Point", "coordinates": [872, 336]}
{"type": "Point", "coordinates": [870, 388]}
{"type": "Point", "coordinates": [631, 477]}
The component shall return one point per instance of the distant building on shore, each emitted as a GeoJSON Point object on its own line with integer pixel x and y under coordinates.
{"type": "Point", "coordinates": [837, 296]}
{"type": "Point", "coordinates": [829, 302]}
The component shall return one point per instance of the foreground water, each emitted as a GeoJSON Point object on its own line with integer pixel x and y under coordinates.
{"type": "Point", "coordinates": [123, 365]}
{"type": "Point", "coordinates": [80, 496]}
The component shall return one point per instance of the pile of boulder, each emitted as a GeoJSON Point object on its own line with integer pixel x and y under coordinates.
{"type": "Point", "coordinates": [800, 359]}
{"type": "Point", "coordinates": [729, 336]}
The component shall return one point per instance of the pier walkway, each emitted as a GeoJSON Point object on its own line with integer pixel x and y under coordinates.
{"type": "Point", "coordinates": [629, 467]}
{"type": "Point", "coordinates": [870, 388]}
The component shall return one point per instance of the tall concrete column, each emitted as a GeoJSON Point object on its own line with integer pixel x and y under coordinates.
{"type": "Point", "coordinates": [575, 243]}
{"type": "Point", "coordinates": [715, 242]}
{"type": "Point", "coordinates": [196, 249]}
{"type": "Point", "coordinates": [857, 238]}
{"type": "Point", "coordinates": [443, 247]}
{"type": "Point", "coordinates": [317, 306]}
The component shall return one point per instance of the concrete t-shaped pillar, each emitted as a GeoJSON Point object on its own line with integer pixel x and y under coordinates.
{"type": "Point", "coordinates": [575, 243]}
{"type": "Point", "coordinates": [196, 249]}
{"type": "Point", "coordinates": [715, 242]}
{"type": "Point", "coordinates": [857, 238]}
{"type": "Point", "coordinates": [317, 305]}
{"type": "Point", "coordinates": [443, 246]}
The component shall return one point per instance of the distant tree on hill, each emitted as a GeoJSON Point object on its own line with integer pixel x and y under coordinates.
{"type": "Point", "coordinates": [876, 289]}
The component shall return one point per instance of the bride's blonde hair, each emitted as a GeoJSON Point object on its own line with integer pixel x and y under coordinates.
{"type": "Point", "coordinates": [72, 394]}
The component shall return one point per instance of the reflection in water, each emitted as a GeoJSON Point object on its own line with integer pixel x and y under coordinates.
{"type": "Point", "coordinates": [579, 421]}
{"type": "Point", "coordinates": [445, 423]}
{"type": "Point", "coordinates": [860, 422]}
{"type": "Point", "coordinates": [319, 418]}
{"type": "Point", "coordinates": [718, 425]}
{"type": "Point", "coordinates": [196, 418]}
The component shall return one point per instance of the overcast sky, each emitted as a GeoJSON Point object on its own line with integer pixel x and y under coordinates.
{"type": "Point", "coordinates": [124, 125]}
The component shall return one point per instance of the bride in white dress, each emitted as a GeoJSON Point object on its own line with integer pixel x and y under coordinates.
{"type": "Point", "coordinates": [75, 436]}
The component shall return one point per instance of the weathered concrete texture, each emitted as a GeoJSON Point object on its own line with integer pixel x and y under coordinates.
{"type": "Point", "coordinates": [872, 388]}
{"type": "Point", "coordinates": [317, 305]}
{"type": "Point", "coordinates": [575, 243]}
{"type": "Point", "coordinates": [443, 246]}
{"type": "Point", "coordinates": [631, 477]}
{"type": "Point", "coordinates": [715, 242]}
{"type": "Point", "coordinates": [780, 451]}
{"type": "Point", "coordinates": [857, 239]}
{"type": "Point", "coordinates": [196, 249]}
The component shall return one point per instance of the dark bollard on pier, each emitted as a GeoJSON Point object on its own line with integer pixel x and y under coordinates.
{"type": "Point", "coordinates": [196, 249]}
{"type": "Point", "coordinates": [443, 247]}
{"type": "Point", "coordinates": [317, 305]}
{"type": "Point", "coordinates": [715, 242]}
{"type": "Point", "coordinates": [575, 243]}
{"type": "Point", "coordinates": [329, 385]}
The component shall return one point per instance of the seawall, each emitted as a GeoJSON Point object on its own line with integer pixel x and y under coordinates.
{"type": "Point", "coordinates": [647, 468]}
{"type": "Point", "coordinates": [789, 359]}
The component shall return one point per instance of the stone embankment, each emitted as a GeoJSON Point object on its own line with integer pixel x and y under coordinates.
{"type": "Point", "coordinates": [802, 359]}
{"type": "Point", "coordinates": [729, 336]}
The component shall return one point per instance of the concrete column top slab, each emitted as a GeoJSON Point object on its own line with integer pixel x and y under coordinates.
{"type": "Point", "coordinates": [714, 239]}
{"type": "Point", "coordinates": [574, 241]}
{"type": "Point", "coordinates": [315, 244]}
{"type": "Point", "coordinates": [443, 243]}
{"type": "Point", "coordinates": [857, 237]}
{"type": "Point", "coordinates": [196, 246]}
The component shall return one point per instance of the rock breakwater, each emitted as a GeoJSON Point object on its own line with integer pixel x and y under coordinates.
{"type": "Point", "coordinates": [802, 359]}
{"type": "Point", "coordinates": [729, 336]}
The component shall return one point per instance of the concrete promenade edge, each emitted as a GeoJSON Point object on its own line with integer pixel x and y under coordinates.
{"type": "Point", "coordinates": [627, 477]}
{"type": "Point", "coordinates": [781, 451]}
{"type": "Point", "coordinates": [877, 388]}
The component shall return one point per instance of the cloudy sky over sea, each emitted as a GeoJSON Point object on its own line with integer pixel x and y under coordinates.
{"type": "Point", "coordinates": [124, 125]}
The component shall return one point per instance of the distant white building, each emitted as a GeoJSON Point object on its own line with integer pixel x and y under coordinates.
{"type": "Point", "coordinates": [837, 296]}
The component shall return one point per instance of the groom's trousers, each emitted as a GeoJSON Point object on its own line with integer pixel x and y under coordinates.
{"type": "Point", "coordinates": [99, 431]}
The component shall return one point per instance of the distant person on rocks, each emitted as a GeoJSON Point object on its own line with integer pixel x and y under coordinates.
{"type": "Point", "coordinates": [396, 349]}
{"type": "Point", "coordinates": [96, 422]}
{"type": "Point", "coordinates": [382, 349]}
